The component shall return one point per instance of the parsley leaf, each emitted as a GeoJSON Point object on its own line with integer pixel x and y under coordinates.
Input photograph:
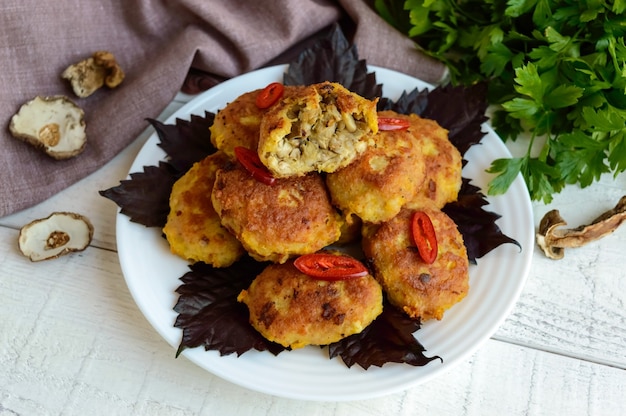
{"type": "Point", "coordinates": [555, 68]}
{"type": "Point", "coordinates": [140, 199]}
{"type": "Point", "coordinates": [507, 170]}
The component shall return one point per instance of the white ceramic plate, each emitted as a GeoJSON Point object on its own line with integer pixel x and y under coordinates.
{"type": "Point", "coordinates": [152, 275]}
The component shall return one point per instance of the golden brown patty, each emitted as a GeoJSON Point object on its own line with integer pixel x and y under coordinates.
{"type": "Point", "coordinates": [239, 122]}
{"type": "Point", "coordinates": [422, 290]}
{"type": "Point", "coordinates": [322, 128]}
{"type": "Point", "coordinates": [350, 230]}
{"type": "Point", "coordinates": [295, 310]}
{"type": "Point", "coordinates": [193, 229]}
{"type": "Point", "coordinates": [384, 178]}
{"type": "Point", "coordinates": [443, 165]}
{"type": "Point", "coordinates": [293, 216]}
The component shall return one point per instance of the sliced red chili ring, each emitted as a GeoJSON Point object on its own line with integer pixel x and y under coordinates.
{"type": "Point", "coordinates": [327, 266]}
{"type": "Point", "coordinates": [391, 123]}
{"type": "Point", "coordinates": [269, 95]}
{"type": "Point", "coordinates": [249, 159]}
{"type": "Point", "coordinates": [424, 236]}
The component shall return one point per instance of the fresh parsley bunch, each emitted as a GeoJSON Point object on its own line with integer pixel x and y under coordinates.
{"type": "Point", "coordinates": [556, 72]}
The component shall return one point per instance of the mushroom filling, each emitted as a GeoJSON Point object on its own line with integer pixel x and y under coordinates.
{"type": "Point", "coordinates": [322, 135]}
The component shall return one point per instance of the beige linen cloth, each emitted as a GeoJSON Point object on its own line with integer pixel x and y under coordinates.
{"type": "Point", "coordinates": [157, 43]}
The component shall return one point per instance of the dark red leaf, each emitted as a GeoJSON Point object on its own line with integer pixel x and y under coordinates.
{"type": "Point", "coordinates": [409, 102]}
{"type": "Point", "coordinates": [388, 339]}
{"type": "Point", "coordinates": [333, 59]}
{"type": "Point", "coordinates": [478, 226]}
{"type": "Point", "coordinates": [144, 198]}
{"type": "Point", "coordinates": [186, 142]}
{"type": "Point", "coordinates": [461, 110]}
{"type": "Point", "coordinates": [209, 314]}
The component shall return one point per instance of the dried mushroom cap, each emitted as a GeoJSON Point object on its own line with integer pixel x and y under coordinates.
{"type": "Point", "coordinates": [53, 124]}
{"type": "Point", "coordinates": [553, 240]}
{"type": "Point", "coordinates": [92, 73]}
{"type": "Point", "coordinates": [60, 233]}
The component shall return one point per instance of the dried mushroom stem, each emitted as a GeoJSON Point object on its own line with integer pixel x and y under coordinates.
{"type": "Point", "coordinates": [553, 240]}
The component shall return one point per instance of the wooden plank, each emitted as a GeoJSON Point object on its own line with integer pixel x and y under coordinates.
{"type": "Point", "coordinates": [577, 306]}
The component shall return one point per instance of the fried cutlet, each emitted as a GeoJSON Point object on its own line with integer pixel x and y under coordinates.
{"type": "Point", "coordinates": [274, 222]}
{"type": "Point", "coordinates": [443, 165]}
{"type": "Point", "coordinates": [422, 290]}
{"type": "Point", "coordinates": [384, 178]}
{"type": "Point", "coordinates": [239, 122]}
{"type": "Point", "coordinates": [193, 228]}
{"type": "Point", "coordinates": [295, 310]}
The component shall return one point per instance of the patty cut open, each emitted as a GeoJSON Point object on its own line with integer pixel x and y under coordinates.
{"type": "Point", "coordinates": [323, 129]}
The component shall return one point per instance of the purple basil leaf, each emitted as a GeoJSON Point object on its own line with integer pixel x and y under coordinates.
{"type": "Point", "coordinates": [333, 59]}
{"type": "Point", "coordinates": [477, 225]}
{"type": "Point", "coordinates": [209, 314]}
{"type": "Point", "coordinates": [388, 339]}
{"type": "Point", "coordinates": [461, 110]}
{"type": "Point", "coordinates": [144, 198]}
{"type": "Point", "coordinates": [185, 142]}
{"type": "Point", "coordinates": [412, 102]}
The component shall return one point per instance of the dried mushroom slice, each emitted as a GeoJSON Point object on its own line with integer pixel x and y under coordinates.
{"type": "Point", "coordinates": [60, 233]}
{"type": "Point", "coordinates": [113, 71]}
{"type": "Point", "coordinates": [553, 240]}
{"type": "Point", "coordinates": [92, 73]}
{"type": "Point", "coordinates": [53, 124]}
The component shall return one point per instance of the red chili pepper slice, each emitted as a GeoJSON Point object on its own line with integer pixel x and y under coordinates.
{"type": "Point", "coordinates": [390, 123]}
{"type": "Point", "coordinates": [250, 161]}
{"type": "Point", "coordinates": [269, 95]}
{"type": "Point", "coordinates": [326, 266]}
{"type": "Point", "coordinates": [424, 236]}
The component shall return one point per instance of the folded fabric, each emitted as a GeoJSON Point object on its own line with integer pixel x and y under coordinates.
{"type": "Point", "coordinates": [157, 44]}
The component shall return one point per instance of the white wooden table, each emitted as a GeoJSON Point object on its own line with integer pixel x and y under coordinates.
{"type": "Point", "coordinates": [73, 342]}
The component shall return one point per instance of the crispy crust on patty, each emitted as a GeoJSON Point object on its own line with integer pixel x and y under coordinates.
{"type": "Point", "coordinates": [294, 216]}
{"type": "Point", "coordinates": [321, 129]}
{"type": "Point", "coordinates": [443, 165]}
{"type": "Point", "coordinates": [422, 290]}
{"type": "Point", "coordinates": [239, 122]}
{"type": "Point", "coordinates": [296, 310]}
{"type": "Point", "coordinates": [384, 178]}
{"type": "Point", "coordinates": [193, 228]}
